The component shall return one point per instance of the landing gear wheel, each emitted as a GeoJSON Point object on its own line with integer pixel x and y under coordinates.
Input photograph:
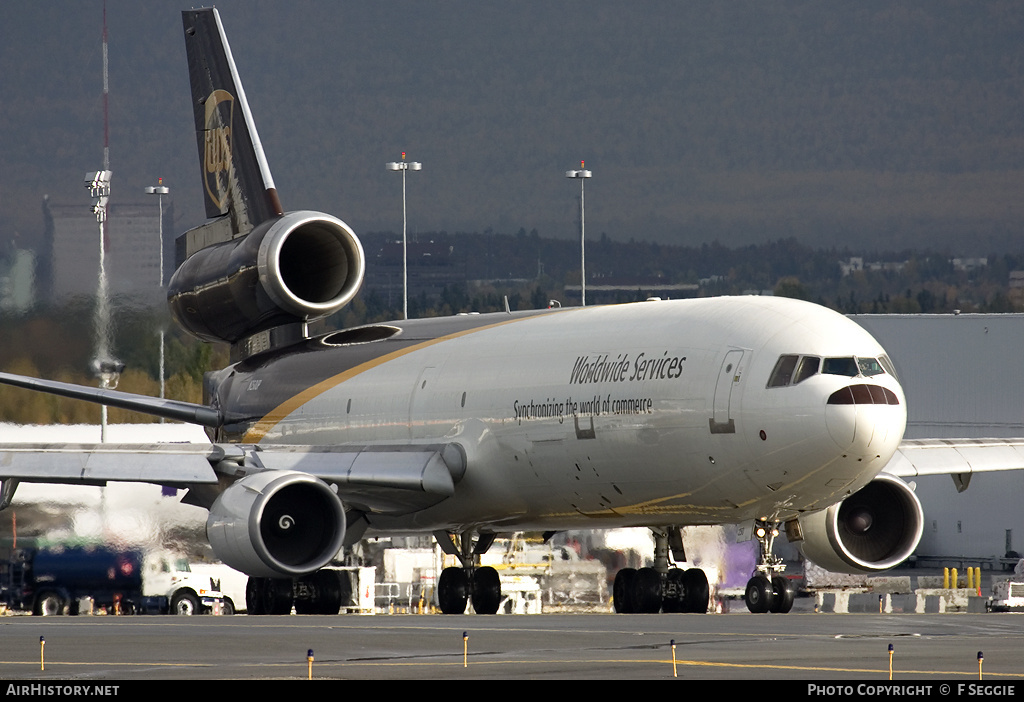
{"type": "Point", "coordinates": [268, 596]}
{"type": "Point", "coordinates": [486, 591]}
{"type": "Point", "coordinates": [326, 594]}
{"type": "Point", "coordinates": [453, 591]}
{"type": "Point", "coordinates": [254, 596]}
{"type": "Point", "coordinates": [648, 591]}
{"type": "Point", "coordinates": [674, 600]}
{"type": "Point", "coordinates": [759, 594]}
{"type": "Point", "coordinates": [782, 595]}
{"type": "Point", "coordinates": [696, 591]}
{"type": "Point", "coordinates": [622, 591]}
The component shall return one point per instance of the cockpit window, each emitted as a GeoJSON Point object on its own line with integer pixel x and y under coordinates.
{"type": "Point", "coordinates": [887, 365]}
{"type": "Point", "coordinates": [841, 366]}
{"type": "Point", "coordinates": [808, 367]}
{"type": "Point", "coordinates": [791, 369]}
{"type": "Point", "coordinates": [783, 372]}
{"type": "Point", "coordinates": [870, 366]}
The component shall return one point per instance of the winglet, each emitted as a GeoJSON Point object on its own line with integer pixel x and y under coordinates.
{"type": "Point", "coordinates": [236, 178]}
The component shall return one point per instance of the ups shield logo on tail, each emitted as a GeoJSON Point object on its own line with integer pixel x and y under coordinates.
{"type": "Point", "coordinates": [220, 107]}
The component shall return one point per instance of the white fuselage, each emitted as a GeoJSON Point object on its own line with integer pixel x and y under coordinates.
{"type": "Point", "coordinates": [651, 413]}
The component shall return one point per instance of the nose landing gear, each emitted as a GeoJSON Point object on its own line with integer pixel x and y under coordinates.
{"type": "Point", "coordinates": [768, 590]}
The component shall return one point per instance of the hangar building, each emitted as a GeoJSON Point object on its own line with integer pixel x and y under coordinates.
{"type": "Point", "coordinates": [964, 378]}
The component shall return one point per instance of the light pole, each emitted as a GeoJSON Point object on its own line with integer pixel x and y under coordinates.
{"type": "Point", "coordinates": [582, 174]}
{"type": "Point", "coordinates": [104, 366]}
{"type": "Point", "coordinates": [404, 166]}
{"type": "Point", "coordinates": [160, 190]}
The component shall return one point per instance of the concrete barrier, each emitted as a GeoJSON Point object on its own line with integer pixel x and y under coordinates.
{"type": "Point", "coordinates": [921, 601]}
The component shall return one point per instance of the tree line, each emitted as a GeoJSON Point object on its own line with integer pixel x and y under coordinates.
{"type": "Point", "coordinates": [528, 271]}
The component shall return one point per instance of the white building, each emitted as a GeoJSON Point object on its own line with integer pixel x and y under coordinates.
{"type": "Point", "coordinates": [964, 377]}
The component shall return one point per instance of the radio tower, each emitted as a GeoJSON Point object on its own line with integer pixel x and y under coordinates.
{"type": "Point", "coordinates": [104, 366]}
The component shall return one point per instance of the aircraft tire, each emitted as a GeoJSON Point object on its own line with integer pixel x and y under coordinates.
{"type": "Point", "coordinates": [622, 591]}
{"type": "Point", "coordinates": [328, 590]}
{"type": "Point", "coordinates": [648, 591]}
{"type": "Point", "coordinates": [759, 594]}
{"type": "Point", "coordinates": [453, 591]}
{"type": "Point", "coordinates": [486, 591]}
{"type": "Point", "coordinates": [268, 596]}
{"type": "Point", "coordinates": [782, 595]}
{"type": "Point", "coordinates": [696, 590]}
{"type": "Point", "coordinates": [254, 596]}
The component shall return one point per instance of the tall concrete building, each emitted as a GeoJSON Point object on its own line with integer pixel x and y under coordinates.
{"type": "Point", "coordinates": [72, 242]}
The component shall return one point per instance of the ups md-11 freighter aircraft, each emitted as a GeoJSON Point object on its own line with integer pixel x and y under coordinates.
{"type": "Point", "coordinates": [757, 410]}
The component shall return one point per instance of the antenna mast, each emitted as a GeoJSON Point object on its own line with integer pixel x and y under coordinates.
{"type": "Point", "coordinates": [104, 366]}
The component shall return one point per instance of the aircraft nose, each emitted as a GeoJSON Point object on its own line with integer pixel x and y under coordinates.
{"type": "Point", "coordinates": [866, 419]}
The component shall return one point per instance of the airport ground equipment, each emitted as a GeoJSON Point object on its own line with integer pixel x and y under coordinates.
{"type": "Point", "coordinates": [73, 580]}
{"type": "Point", "coordinates": [1008, 596]}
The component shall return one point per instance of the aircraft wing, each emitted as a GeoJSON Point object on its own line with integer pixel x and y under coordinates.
{"type": "Point", "coordinates": [959, 458]}
{"type": "Point", "coordinates": [168, 409]}
{"type": "Point", "coordinates": [389, 479]}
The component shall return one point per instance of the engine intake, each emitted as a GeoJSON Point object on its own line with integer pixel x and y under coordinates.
{"type": "Point", "coordinates": [874, 529]}
{"type": "Point", "coordinates": [296, 267]}
{"type": "Point", "coordinates": [277, 524]}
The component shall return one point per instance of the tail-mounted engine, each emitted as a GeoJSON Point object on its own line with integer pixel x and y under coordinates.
{"type": "Point", "coordinates": [296, 267]}
{"type": "Point", "coordinates": [874, 529]}
{"type": "Point", "coordinates": [277, 524]}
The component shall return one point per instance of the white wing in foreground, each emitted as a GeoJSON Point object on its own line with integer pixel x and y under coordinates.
{"type": "Point", "coordinates": [959, 458]}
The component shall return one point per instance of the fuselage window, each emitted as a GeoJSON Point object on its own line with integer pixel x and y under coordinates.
{"type": "Point", "coordinates": [841, 366]}
{"type": "Point", "coordinates": [783, 372]}
{"type": "Point", "coordinates": [808, 367]}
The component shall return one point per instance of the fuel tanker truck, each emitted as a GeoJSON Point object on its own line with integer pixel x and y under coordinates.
{"type": "Point", "coordinates": [76, 579]}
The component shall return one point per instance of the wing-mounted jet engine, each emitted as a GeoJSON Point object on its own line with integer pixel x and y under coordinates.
{"type": "Point", "coordinates": [277, 523]}
{"type": "Point", "coordinates": [874, 529]}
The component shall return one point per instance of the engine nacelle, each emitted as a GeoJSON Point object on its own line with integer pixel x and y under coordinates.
{"type": "Point", "coordinates": [296, 267]}
{"type": "Point", "coordinates": [277, 524]}
{"type": "Point", "coordinates": [874, 529]}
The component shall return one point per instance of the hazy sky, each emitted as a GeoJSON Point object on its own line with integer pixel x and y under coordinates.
{"type": "Point", "coordinates": [870, 123]}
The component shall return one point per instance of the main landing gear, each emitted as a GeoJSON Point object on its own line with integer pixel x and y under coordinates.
{"type": "Point", "coordinates": [768, 590]}
{"type": "Point", "coordinates": [468, 583]}
{"type": "Point", "coordinates": [662, 588]}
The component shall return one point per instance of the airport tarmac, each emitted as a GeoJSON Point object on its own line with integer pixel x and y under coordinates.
{"type": "Point", "coordinates": [738, 646]}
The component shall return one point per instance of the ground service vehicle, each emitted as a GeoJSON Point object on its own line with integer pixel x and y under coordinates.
{"type": "Point", "coordinates": [59, 580]}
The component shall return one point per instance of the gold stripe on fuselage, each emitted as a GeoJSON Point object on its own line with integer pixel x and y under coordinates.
{"type": "Point", "coordinates": [260, 429]}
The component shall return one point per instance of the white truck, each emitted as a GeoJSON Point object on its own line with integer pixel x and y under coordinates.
{"type": "Point", "coordinates": [232, 584]}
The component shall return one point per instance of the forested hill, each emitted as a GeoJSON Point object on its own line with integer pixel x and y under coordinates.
{"type": "Point", "coordinates": [865, 124]}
